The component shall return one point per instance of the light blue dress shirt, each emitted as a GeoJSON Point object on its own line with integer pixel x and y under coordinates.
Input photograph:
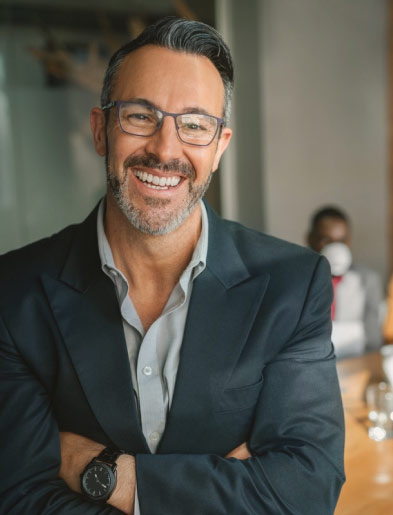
{"type": "Point", "coordinates": [154, 354]}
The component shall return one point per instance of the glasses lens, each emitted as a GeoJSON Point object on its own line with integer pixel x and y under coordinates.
{"type": "Point", "coordinates": [138, 119]}
{"type": "Point", "coordinates": [197, 129]}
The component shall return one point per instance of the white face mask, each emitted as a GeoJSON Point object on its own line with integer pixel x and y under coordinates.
{"type": "Point", "coordinates": [339, 257]}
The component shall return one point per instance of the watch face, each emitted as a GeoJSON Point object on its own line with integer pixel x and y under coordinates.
{"type": "Point", "coordinates": [98, 481]}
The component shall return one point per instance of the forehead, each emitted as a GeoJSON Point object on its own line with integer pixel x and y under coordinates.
{"type": "Point", "coordinates": [332, 227]}
{"type": "Point", "coordinates": [170, 79]}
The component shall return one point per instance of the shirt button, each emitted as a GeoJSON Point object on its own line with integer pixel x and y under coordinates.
{"type": "Point", "coordinates": [113, 272]}
{"type": "Point", "coordinates": [154, 436]}
{"type": "Point", "coordinates": [147, 371]}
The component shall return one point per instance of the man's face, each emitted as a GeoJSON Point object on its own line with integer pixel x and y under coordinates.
{"type": "Point", "coordinates": [174, 82]}
{"type": "Point", "coordinates": [329, 230]}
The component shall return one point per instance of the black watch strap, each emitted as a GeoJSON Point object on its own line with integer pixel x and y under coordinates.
{"type": "Point", "coordinates": [109, 455]}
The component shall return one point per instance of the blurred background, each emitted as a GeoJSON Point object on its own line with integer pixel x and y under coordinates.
{"type": "Point", "coordinates": [311, 113]}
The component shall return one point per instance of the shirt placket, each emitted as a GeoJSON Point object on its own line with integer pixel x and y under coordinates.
{"type": "Point", "coordinates": [151, 399]}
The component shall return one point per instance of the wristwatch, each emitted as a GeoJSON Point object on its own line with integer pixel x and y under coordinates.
{"type": "Point", "coordinates": [98, 480]}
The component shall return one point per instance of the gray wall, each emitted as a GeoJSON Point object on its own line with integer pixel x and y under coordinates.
{"type": "Point", "coordinates": [50, 175]}
{"type": "Point", "coordinates": [323, 115]}
{"type": "Point", "coordinates": [243, 162]}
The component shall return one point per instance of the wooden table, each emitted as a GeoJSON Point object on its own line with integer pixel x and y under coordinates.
{"type": "Point", "coordinates": [368, 464]}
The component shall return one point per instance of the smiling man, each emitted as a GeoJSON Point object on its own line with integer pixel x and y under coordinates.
{"type": "Point", "coordinates": [156, 359]}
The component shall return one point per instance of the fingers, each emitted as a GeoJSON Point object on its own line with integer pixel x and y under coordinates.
{"type": "Point", "coordinates": [241, 452]}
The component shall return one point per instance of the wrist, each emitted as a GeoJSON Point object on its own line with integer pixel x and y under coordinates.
{"type": "Point", "coordinates": [76, 452]}
{"type": "Point", "coordinates": [123, 496]}
{"type": "Point", "coordinates": [99, 478]}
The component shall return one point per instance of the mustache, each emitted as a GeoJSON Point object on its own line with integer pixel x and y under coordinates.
{"type": "Point", "coordinates": [151, 161]}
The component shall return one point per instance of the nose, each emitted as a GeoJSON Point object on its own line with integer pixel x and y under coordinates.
{"type": "Point", "coordinates": [165, 143]}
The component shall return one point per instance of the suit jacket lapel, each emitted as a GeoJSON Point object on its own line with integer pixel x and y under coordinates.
{"type": "Point", "coordinates": [224, 303]}
{"type": "Point", "coordinates": [225, 300]}
{"type": "Point", "coordinates": [84, 303]}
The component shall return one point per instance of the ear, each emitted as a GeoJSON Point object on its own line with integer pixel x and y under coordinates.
{"type": "Point", "coordinates": [98, 128]}
{"type": "Point", "coordinates": [222, 144]}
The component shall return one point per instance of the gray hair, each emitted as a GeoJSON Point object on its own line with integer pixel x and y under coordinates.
{"type": "Point", "coordinates": [182, 35]}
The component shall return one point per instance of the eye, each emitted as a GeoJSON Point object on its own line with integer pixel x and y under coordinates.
{"type": "Point", "coordinates": [197, 125]}
{"type": "Point", "coordinates": [140, 118]}
{"type": "Point", "coordinates": [193, 127]}
{"type": "Point", "coordinates": [194, 123]}
{"type": "Point", "coordinates": [137, 115]}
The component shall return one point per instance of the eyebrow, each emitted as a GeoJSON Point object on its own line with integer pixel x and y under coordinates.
{"type": "Point", "coordinates": [187, 110]}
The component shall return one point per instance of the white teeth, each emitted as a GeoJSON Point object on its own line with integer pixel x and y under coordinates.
{"type": "Point", "coordinates": [156, 182]}
{"type": "Point", "coordinates": [156, 187]}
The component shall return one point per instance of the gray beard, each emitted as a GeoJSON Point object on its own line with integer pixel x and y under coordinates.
{"type": "Point", "coordinates": [156, 222]}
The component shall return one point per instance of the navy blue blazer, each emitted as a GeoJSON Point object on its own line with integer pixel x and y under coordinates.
{"type": "Point", "coordinates": [256, 365]}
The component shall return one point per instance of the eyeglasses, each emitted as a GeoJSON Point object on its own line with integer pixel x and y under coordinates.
{"type": "Point", "coordinates": [139, 119]}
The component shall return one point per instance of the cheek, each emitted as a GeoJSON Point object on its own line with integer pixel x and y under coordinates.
{"type": "Point", "coordinates": [215, 158]}
{"type": "Point", "coordinates": [216, 162]}
{"type": "Point", "coordinates": [121, 146]}
{"type": "Point", "coordinates": [203, 163]}
{"type": "Point", "coordinates": [116, 158]}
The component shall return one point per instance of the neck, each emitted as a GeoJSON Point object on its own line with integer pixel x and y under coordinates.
{"type": "Point", "coordinates": [149, 259]}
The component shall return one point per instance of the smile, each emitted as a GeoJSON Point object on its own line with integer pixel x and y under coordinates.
{"type": "Point", "coordinates": [155, 182]}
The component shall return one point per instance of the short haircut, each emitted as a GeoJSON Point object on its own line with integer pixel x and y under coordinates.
{"type": "Point", "coordinates": [182, 35]}
{"type": "Point", "coordinates": [328, 212]}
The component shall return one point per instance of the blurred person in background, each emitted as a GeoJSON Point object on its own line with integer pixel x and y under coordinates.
{"type": "Point", "coordinates": [358, 297]}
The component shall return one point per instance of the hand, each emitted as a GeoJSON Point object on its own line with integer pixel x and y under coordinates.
{"type": "Point", "coordinates": [240, 453]}
{"type": "Point", "coordinates": [77, 451]}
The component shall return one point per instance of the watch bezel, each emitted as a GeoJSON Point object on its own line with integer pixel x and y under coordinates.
{"type": "Point", "coordinates": [112, 484]}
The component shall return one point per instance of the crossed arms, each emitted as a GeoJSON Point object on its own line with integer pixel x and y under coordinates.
{"type": "Point", "coordinates": [77, 451]}
{"type": "Point", "coordinates": [296, 441]}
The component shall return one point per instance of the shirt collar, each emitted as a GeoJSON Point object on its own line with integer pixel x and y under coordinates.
{"type": "Point", "coordinates": [196, 265]}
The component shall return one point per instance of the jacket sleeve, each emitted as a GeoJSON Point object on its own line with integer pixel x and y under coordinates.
{"type": "Point", "coordinates": [30, 446]}
{"type": "Point", "coordinates": [296, 441]}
